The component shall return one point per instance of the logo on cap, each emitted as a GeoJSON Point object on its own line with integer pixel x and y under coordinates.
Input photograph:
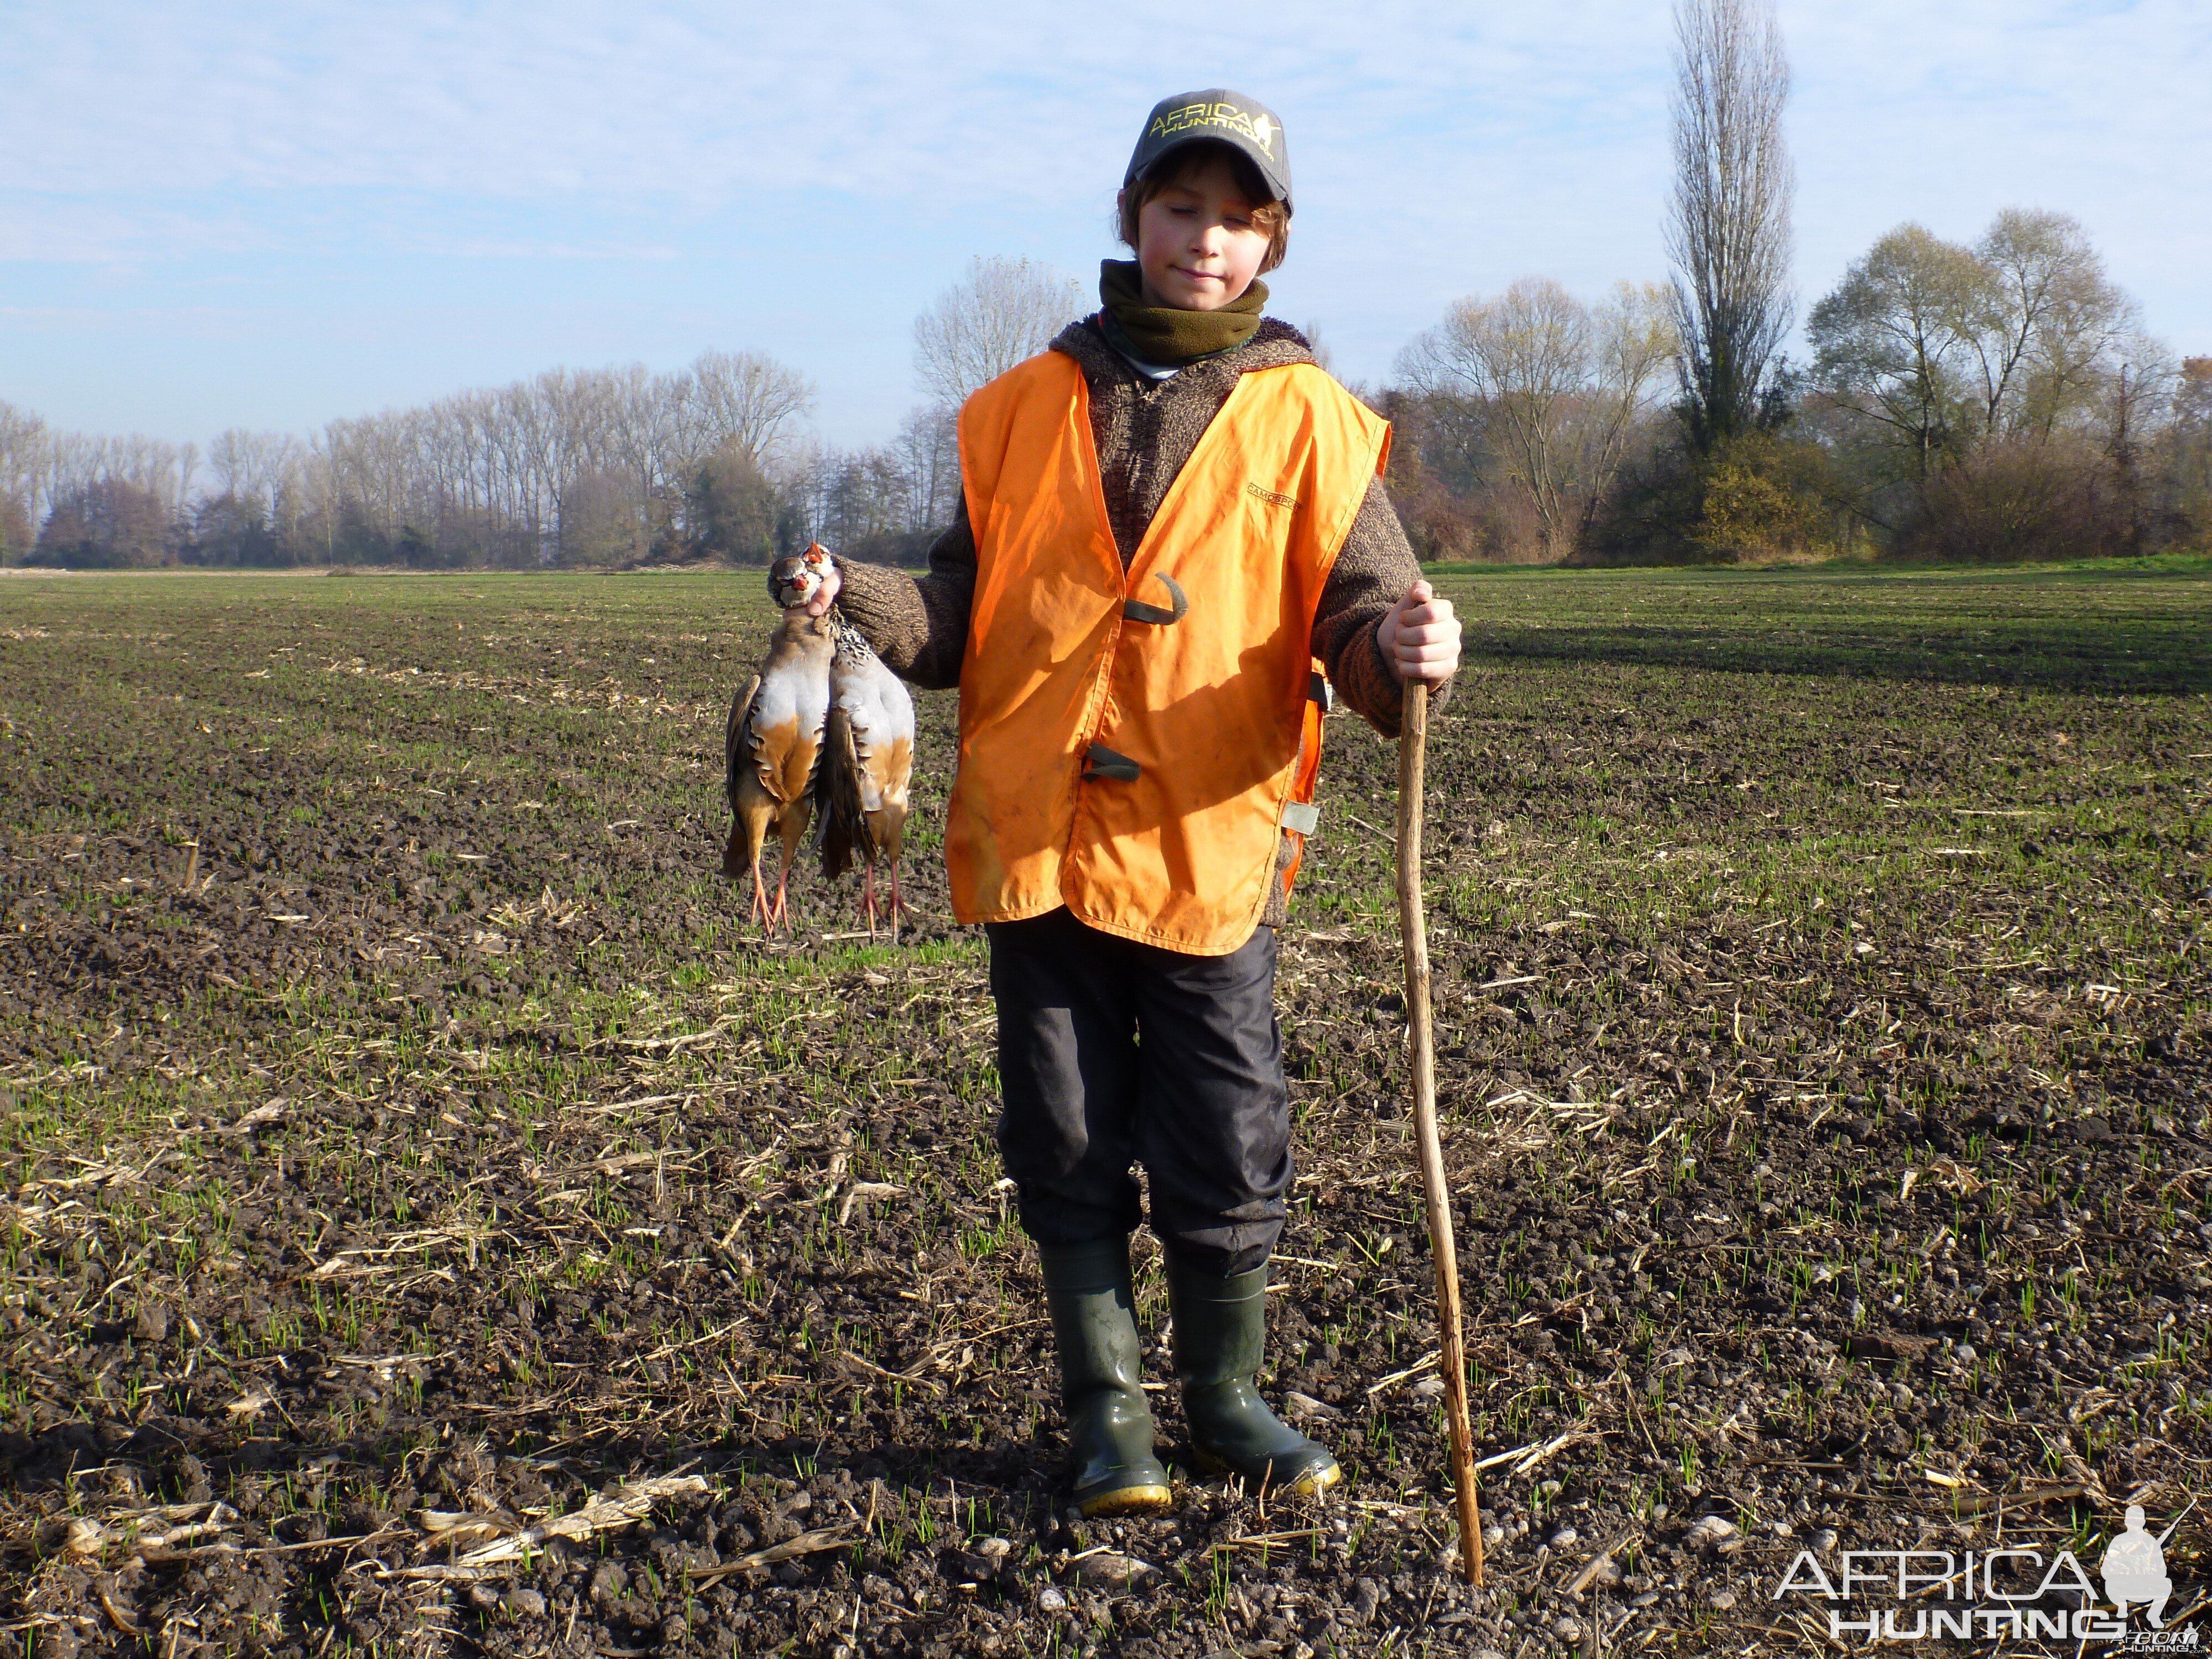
{"type": "Point", "coordinates": [1259, 129]}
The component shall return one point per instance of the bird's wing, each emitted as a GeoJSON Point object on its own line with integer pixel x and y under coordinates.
{"type": "Point", "coordinates": [734, 738]}
{"type": "Point", "coordinates": [882, 714]}
{"type": "Point", "coordinates": [890, 768]}
{"type": "Point", "coordinates": [898, 764]}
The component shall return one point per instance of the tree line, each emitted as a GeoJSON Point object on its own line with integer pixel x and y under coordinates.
{"type": "Point", "coordinates": [594, 467]}
{"type": "Point", "coordinates": [584, 467]}
{"type": "Point", "coordinates": [1983, 401]}
{"type": "Point", "coordinates": [1997, 399]}
{"type": "Point", "coordinates": [1991, 400]}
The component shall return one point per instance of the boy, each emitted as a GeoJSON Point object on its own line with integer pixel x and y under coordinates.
{"type": "Point", "coordinates": [1166, 519]}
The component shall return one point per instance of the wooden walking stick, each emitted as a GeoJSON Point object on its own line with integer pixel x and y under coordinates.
{"type": "Point", "coordinates": [1413, 932]}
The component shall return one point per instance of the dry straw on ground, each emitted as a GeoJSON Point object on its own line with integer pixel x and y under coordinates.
{"type": "Point", "coordinates": [399, 1124]}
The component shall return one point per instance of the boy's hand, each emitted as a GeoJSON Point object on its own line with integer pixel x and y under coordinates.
{"type": "Point", "coordinates": [1420, 637]}
{"type": "Point", "coordinates": [826, 595]}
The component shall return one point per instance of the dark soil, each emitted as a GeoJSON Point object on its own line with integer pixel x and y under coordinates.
{"type": "Point", "coordinates": [407, 1147]}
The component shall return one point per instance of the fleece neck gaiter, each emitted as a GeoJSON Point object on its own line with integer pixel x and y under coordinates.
{"type": "Point", "coordinates": [1166, 335]}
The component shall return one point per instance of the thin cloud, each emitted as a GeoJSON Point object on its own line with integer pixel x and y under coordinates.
{"type": "Point", "coordinates": [832, 165]}
{"type": "Point", "coordinates": [483, 248]}
{"type": "Point", "coordinates": [552, 99]}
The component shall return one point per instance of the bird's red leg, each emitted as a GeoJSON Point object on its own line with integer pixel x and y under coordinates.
{"type": "Point", "coordinates": [895, 906]}
{"type": "Point", "coordinates": [782, 902]}
{"type": "Point", "coordinates": [868, 895]}
{"type": "Point", "coordinates": [760, 898]}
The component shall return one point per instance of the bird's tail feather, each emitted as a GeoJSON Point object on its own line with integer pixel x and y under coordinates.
{"type": "Point", "coordinates": [843, 832]}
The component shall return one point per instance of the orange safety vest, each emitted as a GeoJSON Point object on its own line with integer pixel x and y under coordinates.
{"type": "Point", "coordinates": [1130, 740]}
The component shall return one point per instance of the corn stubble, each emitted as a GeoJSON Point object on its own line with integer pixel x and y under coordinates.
{"type": "Point", "coordinates": [433, 1222]}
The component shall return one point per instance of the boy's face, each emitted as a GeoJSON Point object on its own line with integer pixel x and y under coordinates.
{"type": "Point", "coordinates": [1196, 244]}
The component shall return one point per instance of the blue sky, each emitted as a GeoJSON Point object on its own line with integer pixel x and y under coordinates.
{"type": "Point", "coordinates": [268, 215]}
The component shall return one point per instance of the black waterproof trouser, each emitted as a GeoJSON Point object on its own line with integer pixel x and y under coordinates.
{"type": "Point", "coordinates": [1115, 1052]}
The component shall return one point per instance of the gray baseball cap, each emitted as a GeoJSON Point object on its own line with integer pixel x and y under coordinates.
{"type": "Point", "coordinates": [1226, 117]}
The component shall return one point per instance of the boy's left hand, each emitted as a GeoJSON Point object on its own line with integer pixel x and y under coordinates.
{"type": "Point", "coordinates": [1419, 636]}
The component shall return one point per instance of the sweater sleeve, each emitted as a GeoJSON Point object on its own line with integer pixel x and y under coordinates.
{"type": "Point", "coordinates": [917, 624]}
{"type": "Point", "coordinates": [1373, 571]}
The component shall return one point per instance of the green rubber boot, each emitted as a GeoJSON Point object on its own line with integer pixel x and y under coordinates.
{"type": "Point", "coordinates": [1220, 1336]}
{"type": "Point", "coordinates": [1110, 1427]}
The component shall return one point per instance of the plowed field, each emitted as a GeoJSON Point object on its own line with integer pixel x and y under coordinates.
{"type": "Point", "coordinates": [433, 1223]}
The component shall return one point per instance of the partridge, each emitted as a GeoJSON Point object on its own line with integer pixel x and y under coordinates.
{"type": "Point", "coordinates": [870, 743]}
{"type": "Point", "coordinates": [774, 740]}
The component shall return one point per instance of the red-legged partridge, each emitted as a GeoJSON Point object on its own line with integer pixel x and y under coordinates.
{"type": "Point", "coordinates": [774, 741]}
{"type": "Point", "coordinates": [869, 761]}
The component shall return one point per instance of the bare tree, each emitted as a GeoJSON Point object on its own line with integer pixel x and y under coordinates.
{"type": "Point", "coordinates": [1892, 345]}
{"type": "Point", "coordinates": [1319, 346]}
{"type": "Point", "coordinates": [23, 450]}
{"type": "Point", "coordinates": [2187, 445]}
{"type": "Point", "coordinates": [1948, 348]}
{"type": "Point", "coordinates": [1997, 400]}
{"type": "Point", "coordinates": [1634, 339]}
{"type": "Point", "coordinates": [2049, 315]}
{"type": "Point", "coordinates": [109, 522]}
{"type": "Point", "coordinates": [1557, 387]}
{"type": "Point", "coordinates": [1004, 311]}
{"type": "Point", "coordinates": [254, 468]}
{"type": "Point", "coordinates": [1727, 227]}
{"type": "Point", "coordinates": [643, 413]}
{"type": "Point", "coordinates": [745, 401]}
{"type": "Point", "coordinates": [1525, 355]}
{"type": "Point", "coordinates": [159, 471]}
{"type": "Point", "coordinates": [928, 451]}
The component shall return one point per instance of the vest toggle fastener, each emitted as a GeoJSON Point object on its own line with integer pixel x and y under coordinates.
{"type": "Point", "coordinates": [1104, 762]}
{"type": "Point", "coordinates": [1137, 611]}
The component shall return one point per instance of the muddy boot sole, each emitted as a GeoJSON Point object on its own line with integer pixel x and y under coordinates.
{"type": "Point", "coordinates": [1142, 1499]}
{"type": "Point", "coordinates": [1112, 1466]}
{"type": "Point", "coordinates": [1309, 1482]}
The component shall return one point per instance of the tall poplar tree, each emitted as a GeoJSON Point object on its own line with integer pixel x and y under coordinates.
{"type": "Point", "coordinates": [1728, 226]}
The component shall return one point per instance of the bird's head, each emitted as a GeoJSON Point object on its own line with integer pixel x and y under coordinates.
{"type": "Point", "coordinates": [798, 577]}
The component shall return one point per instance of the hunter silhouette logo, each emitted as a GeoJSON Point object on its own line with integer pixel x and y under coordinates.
{"type": "Point", "coordinates": [2003, 1593]}
{"type": "Point", "coordinates": [2134, 1569]}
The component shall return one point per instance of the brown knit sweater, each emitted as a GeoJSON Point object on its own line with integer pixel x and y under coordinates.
{"type": "Point", "coordinates": [1145, 431]}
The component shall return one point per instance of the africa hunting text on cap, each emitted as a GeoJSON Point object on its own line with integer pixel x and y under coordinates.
{"type": "Point", "coordinates": [1229, 117]}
